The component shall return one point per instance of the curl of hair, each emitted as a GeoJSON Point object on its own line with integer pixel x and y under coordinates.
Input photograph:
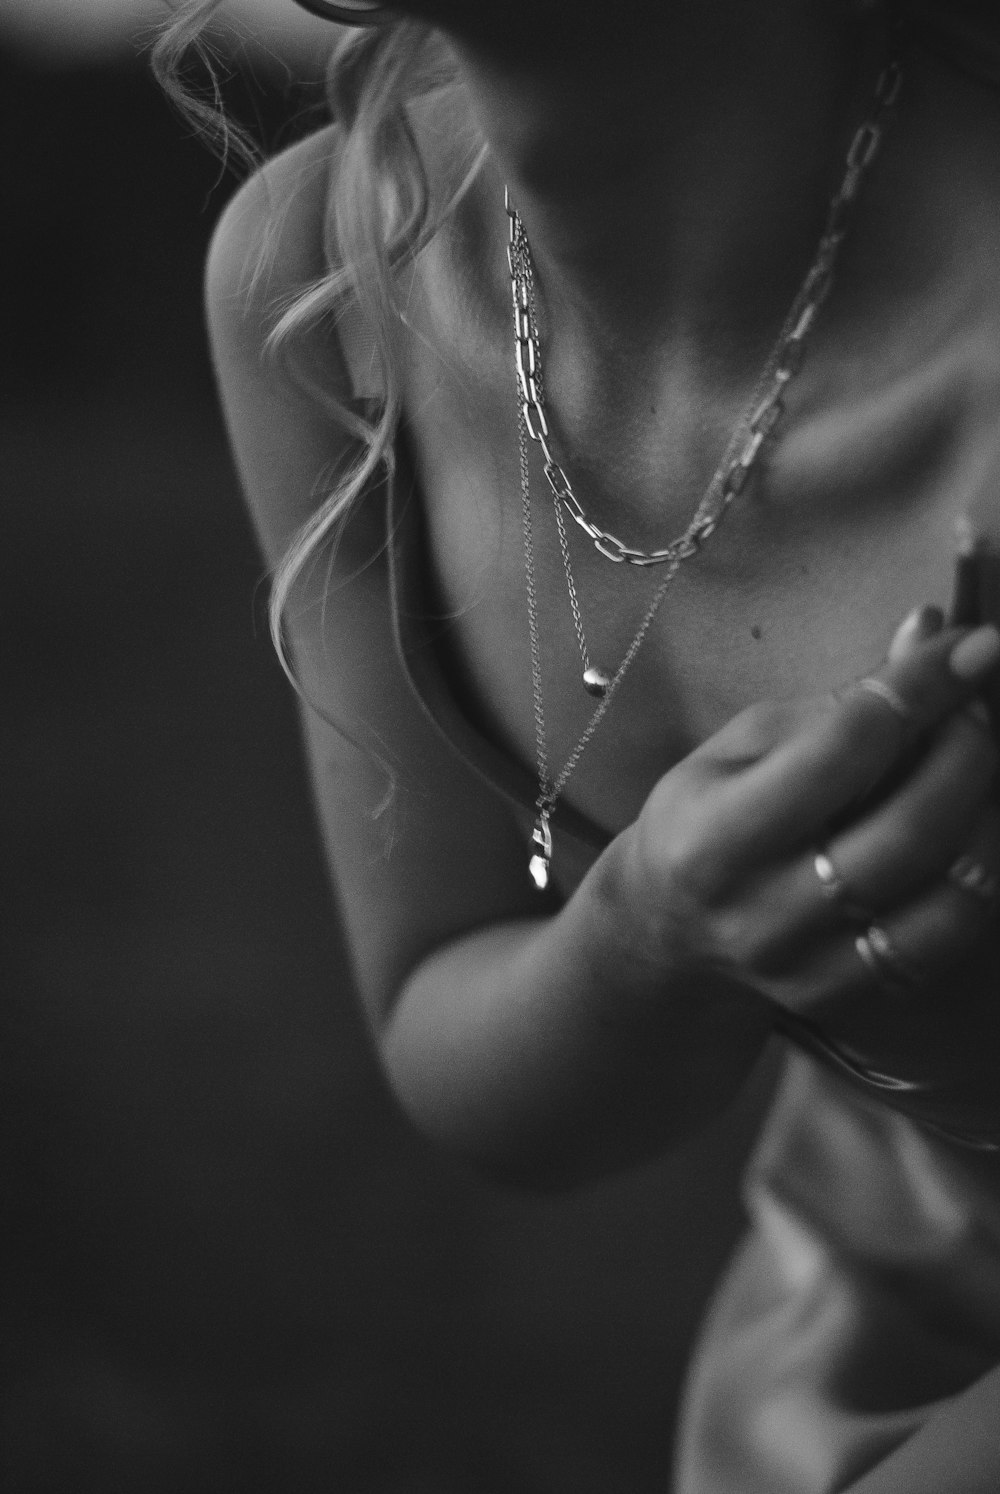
{"type": "Point", "coordinates": [379, 213]}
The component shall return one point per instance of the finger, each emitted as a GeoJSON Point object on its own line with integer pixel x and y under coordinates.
{"type": "Point", "coordinates": [824, 891]}
{"type": "Point", "coordinates": [936, 932]}
{"type": "Point", "coordinates": [913, 836]}
{"type": "Point", "coordinates": [849, 744]}
{"type": "Point", "coordinates": [921, 624]}
{"type": "Point", "coordinates": [975, 872]}
{"type": "Point", "coordinates": [909, 954]}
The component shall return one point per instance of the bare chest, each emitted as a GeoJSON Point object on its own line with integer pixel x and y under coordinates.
{"type": "Point", "coordinates": [848, 524]}
{"type": "Point", "coordinates": [798, 592]}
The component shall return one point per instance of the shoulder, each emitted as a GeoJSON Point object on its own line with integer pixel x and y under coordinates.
{"type": "Point", "coordinates": [289, 416]}
{"type": "Point", "coordinates": [269, 240]}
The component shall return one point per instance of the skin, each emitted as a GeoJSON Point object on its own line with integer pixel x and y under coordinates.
{"type": "Point", "coordinates": [673, 178]}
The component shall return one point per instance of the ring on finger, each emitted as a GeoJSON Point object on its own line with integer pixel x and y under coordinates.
{"type": "Point", "coordinates": [836, 890]}
{"type": "Point", "coordinates": [892, 698]}
{"type": "Point", "coordinates": [971, 876]}
{"type": "Point", "coordinates": [882, 960]}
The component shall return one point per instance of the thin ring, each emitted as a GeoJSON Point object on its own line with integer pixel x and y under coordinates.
{"type": "Point", "coordinates": [836, 890]}
{"type": "Point", "coordinates": [892, 698]}
{"type": "Point", "coordinates": [971, 876]}
{"type": "Point", "coordinates": [881, 959]}
{"type": "Point", "coordinates": [348, 12]}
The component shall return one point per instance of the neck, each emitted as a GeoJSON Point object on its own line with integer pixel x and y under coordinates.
{"type": "Point", "coordinates": [679, 178]}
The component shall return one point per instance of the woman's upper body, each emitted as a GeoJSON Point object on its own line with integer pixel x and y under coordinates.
{"type": "Point", "coordinates": [673, 172]}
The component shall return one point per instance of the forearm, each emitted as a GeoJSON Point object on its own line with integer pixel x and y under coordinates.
{"type": "Point", "coordinates": [552, 1050]}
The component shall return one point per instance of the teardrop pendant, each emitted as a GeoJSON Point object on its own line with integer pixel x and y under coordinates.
{"type": "Point", "coordinates": [596, 682]}
{"type": "Point", "coordinates": [541, 861]}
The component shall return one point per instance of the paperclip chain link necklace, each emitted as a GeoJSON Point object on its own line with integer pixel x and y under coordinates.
{"type": "Point", "coordinates": [756, 424]}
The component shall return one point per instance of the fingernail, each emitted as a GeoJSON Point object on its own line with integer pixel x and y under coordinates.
{"type": "Point", "coordinates": [922, 623]}
{"type": "Point", "coordinates": [976, 654]}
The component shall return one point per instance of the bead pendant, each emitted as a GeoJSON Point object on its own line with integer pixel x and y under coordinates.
{"type": "Point", "coordinates": [596, 682]}
{"type": "Point", "coordinates": [540, 864]}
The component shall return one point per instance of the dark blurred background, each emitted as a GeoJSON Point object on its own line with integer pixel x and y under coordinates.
{"type": "Point", "coordinates": [226, 1264]}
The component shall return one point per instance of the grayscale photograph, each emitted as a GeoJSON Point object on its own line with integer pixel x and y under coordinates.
{"type": "Point", "coordinates": [500, 747]}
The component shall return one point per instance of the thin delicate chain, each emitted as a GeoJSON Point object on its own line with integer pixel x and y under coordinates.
{"type": "Point", "coordinates": [541, 749]}
{"type": "Point", "coordinates": [763, 411]}
{"type": "Point", "coordinates": [574, 600]}
{"type": "Point", "coordinates": [549, 790]}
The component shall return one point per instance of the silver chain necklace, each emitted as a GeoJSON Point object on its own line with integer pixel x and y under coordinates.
{"type": "Point", "coordinates": [755, 425]}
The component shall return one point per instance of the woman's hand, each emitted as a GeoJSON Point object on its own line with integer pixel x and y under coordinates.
{"type": "Point", "coordinates": [825, 852]}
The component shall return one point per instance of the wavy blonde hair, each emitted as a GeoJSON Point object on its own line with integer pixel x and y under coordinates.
{"type": "Point", "coordinates": [380, 212]}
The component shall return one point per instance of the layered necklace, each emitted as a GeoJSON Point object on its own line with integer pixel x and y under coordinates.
{"type": "Point", "coordinates": [756, 426]}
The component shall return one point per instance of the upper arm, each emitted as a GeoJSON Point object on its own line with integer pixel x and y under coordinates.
{"type": "Point", "coordinates": [421, 850]}
{"type": "Point", "coordinates": [267, 247]}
